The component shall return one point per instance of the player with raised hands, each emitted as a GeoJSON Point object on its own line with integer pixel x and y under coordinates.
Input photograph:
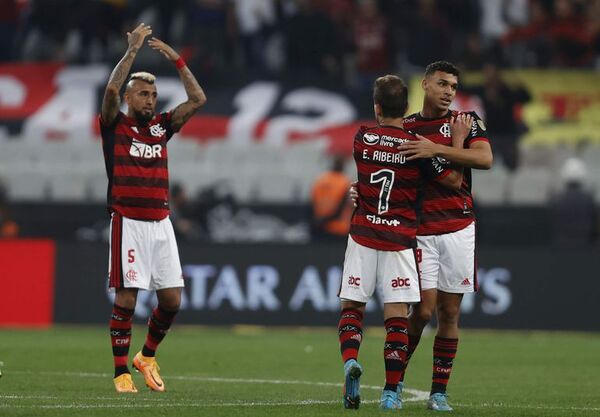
{"type": "Point", "coordinates": [143, 251]}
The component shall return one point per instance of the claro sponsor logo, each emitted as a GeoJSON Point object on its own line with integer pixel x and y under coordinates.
{"type": "Point", "coordinates": [380, 220]}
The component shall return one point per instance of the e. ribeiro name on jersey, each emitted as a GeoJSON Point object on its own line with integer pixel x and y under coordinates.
{"type": "Point", "coordinates": [388, 187]}
{"type": "Point", "coordinates": [445, 210]}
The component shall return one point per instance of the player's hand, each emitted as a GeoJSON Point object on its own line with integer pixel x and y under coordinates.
{"type": "Point", "coordinates": [163, 48]}
{"type": "Point", "coordinates": [353, 192]}
{"type": "Point", "coordinates": [135, 38]}
{"type": "Point", "coordinates": [460, 127]}
{"type": "Point", "coordinates": [422, 148]}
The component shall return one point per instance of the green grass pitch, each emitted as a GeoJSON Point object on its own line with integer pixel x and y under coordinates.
{"type": "Point", "coordinates": [247, 371]}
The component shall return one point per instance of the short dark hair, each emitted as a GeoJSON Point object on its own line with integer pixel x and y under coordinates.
{"type": "Point", "coordinates": [442, 66]}
{"type": "Point", "coordinates": [391, 93]}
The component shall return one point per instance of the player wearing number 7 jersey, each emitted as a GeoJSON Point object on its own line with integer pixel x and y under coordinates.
{"type": "Point", "coordinates": [382, 241]}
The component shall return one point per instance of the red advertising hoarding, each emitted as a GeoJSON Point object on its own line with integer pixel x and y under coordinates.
{"type": "Point", "coordinates": [26, 282]}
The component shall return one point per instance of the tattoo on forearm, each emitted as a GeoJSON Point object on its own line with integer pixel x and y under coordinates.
{"type": "Point", "coordinates": [183, 112]}
{"type": "Point", "coordinates": [111, 102]}
{"type": "Point", "coordinates": [196, 98]}
{"type": "Point", "coordinates": [192, 88]}
{"type": "Point", "coordinates": [119, 74]}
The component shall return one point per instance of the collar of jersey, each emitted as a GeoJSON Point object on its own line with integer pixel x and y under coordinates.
{"type": "Point", "coordinates": [421, 117]}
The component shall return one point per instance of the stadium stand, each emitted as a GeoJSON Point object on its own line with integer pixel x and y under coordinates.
{"type": "Point", "coordinates": [557, 124]}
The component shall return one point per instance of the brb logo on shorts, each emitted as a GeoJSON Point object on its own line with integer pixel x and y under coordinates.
{"type": "Point", "coordinates": [354, 281]}
{"type": "Point", "coordinates": [400, 283]}
{"type": "Point", "coordinates": [143, 150]}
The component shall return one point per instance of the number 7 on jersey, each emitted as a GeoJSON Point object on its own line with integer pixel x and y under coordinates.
{"type": "Point", "coordinates": [386, 178]}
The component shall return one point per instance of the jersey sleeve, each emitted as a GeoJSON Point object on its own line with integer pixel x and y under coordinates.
{"type": "Point", "coordinates": [478, 130]}
{"type": "Point", "coordinates": [435, 168]}
{"type": "Point", "coordinates": [107, 132]}
{"type": "Point", "coordinates": [358, 136]}
{"type": "Point", "coordinates": [104, 125]}
{"type": "Point", "coordinates": [360, 132]}
{"type": "Point", "coordinates": [165, 120]}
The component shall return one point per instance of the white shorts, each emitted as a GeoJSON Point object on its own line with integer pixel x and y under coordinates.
{"type": "Point", "coordinates": [447, 262]}
{"type": "Point", "coordinates": [143, 254]}
{"type": "Point", "coordinates": [394, 273]}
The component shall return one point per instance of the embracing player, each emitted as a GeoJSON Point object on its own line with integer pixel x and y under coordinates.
{"type": "Point", "coordinates": [446, 233]}
{"type": "Point", "coordinates": [382, 241]}
{"type": "Point", "coordinates": [143, 250]}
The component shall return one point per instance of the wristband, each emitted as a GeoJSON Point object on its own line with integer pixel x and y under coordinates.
{"type": "Point", "coordinates": [180, 63]}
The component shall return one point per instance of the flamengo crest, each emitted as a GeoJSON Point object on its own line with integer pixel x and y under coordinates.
{"type": "Point", "coordinates": [445, 130]}
{"type": "Point", "coordinates": [157, 130]}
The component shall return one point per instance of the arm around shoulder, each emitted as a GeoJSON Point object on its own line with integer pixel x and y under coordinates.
{"type": "Point", "coordinates": [478, 155]}
{"type": "Point", "coordinates": [482, 155]}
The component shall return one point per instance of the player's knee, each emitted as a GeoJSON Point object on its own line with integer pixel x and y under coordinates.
{"type": "Point", "coordinates": [171, 305]}
{"type": "Point", "coordinates": [125, 299]}
{"type": "Point", "coordinates": [449, 315]}
{"type": "Point", "coordinates": [169, 299]}
{"type": "Point", "coordinates": [352, 304]}
{"type": "Point", "coordinates": [422, 316]}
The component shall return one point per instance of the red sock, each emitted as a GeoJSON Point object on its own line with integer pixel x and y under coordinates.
{"type": "Point", "coordinates": [350, 333]}
{"type": "Point", "coordinates": [394, 351]}
{"type": "Point", "coordinates": [444, 351]}
{"type": "Point", "coordinates": [158, 325]}
{"type": "Point", "coordinates": [413, 342]}
{"type": "Point", "coordinates": [120, 337]}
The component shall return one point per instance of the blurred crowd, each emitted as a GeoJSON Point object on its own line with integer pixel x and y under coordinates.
{"type": "Point", "coordinates": [346, 39]}
{"type": "Point", "coordinates": [350, 40]}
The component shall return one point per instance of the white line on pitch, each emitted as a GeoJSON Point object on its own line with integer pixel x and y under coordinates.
{"type": "Point", "coordinates": [417, 395]}
{"type": "Point", "coordinates": [183, 404]}
{"type": "Point", "coordinates": [165, 404]}
{"type": "Point", "coordinates": [525, 406]}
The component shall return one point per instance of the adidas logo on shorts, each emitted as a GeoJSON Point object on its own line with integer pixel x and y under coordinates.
{"type": "Point", "coordinates": [466, 282]}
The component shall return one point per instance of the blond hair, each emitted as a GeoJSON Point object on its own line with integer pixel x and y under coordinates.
{"type": "Point", "coordinates": [143, 76]}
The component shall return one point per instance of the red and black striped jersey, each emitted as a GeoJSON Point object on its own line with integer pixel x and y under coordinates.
{"type": "Point", "coordinates": [388, 188]}
{"type": "Point", "coordinates": [444, 210]}
{"type": "Point", "coordinates": [135, 156]}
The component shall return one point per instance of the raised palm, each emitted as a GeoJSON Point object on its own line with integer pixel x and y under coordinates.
{"type": "Point", "coordinates": [163, 48]}
{"type": "Point", "coordinates": [136, 37]}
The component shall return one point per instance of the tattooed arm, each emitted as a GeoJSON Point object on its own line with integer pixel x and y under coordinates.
{"type": "Point", "coordinates": [196, 96]}
{"type": "Point", "coordinates": [112, 100]}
